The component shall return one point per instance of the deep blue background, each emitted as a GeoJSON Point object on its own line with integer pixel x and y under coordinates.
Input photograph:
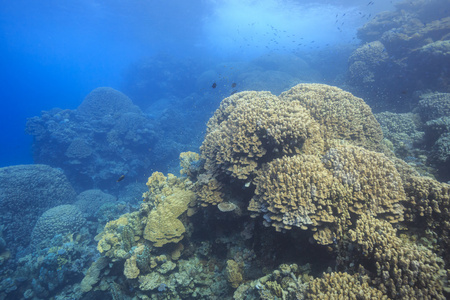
{"type": "Point", "coordinates": [53, 53]}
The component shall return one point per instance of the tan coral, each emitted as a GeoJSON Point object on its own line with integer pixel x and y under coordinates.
{"type": "Point", "coordinates": [119, 236]}
{"type": "Point", "coordinates": [429, 204]}
{"type": "Point", "coordinates": [319, 194]}
{"type": "Point", "coordinates": [234, 273]}
{"type": "Point", "coordinates": [403, 269]}
{"type": "Point", "coordinates": [163, 225]}
{"type": "Point", "coordinates": [297, 191]}
{"type": "Point", "coordinates": [250, 126]}
{"type": "Point", "coordinates": [341, 115]}
{"type": "Point", "coordinates": [338, 285]}
{"type": "Point", "coordinates": [131, 270]}
{"type": "Point", "coordinates": [186, 161]}
{"type": "Point", "coordinates": [372, 179]}
{"type": "Point", "coordinates": [209, 192]}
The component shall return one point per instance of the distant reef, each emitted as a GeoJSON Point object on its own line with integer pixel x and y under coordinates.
{"type": "Point", "coordinates": [404, 53]}
{"type": "Point", "coordinates": [106, 137]}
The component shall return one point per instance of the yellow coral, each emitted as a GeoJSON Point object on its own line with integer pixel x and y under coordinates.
{"type": "Point", "coordinates": [163, 225]}
{"type": "Point", "coordinates": [372, 179]}
{"type": "Point", "coordinates": [297, 191]}
{"type": "Point", "coordinates": [341, 115]}
{"type": "Point", "coordinates": [340, 285]}
{"type": "Point", "coordinates": [131, 270]}
{"type": "Point", "coordinates": [120, 235]}
{"type": "Point", "coordinates": [250, 126]}
{"type": "Point", "coordinates": [403, 270]}
{"type": "Point", "coordinates": [234, 273]}
{"type": "Point", "coordinates": [186, 160]}
{"type": "Point", "coordinates": [308, 192]}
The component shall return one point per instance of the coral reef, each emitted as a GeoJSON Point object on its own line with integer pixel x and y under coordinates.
{"type": "Point", "coordinates": [105, 137]}
{"type": "Point", "coordinates": [403, 131]}
{"type": "Point", "coordinates": [338, 285]}
{"type": "Point", "coordinates": [403, 51]}
{"type": "Point", "coordinates": [53, 271]}
{"type": "Point", "coordinates": [402, 270]}
{"type": "Point", "coordinates": [341, 115]}
{"type": "Point", "coordinates": [62, 219]}
{"type": "Point", "coordinates": [251, 127]}
{"type": "Point", "coordinates": [434, 110]}
{"type": "Point", "coordinates": [351, 220]}
{"type": "Point", "coordinates": [26, 191]}
{"type": "Point", "coordinates": [90, 201]}
{"type": "Point", "coordinates": [429, 208]}
{"type": "Point", "coordinates": [307, 192]}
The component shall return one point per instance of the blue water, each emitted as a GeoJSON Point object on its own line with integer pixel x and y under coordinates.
{"type": "Point", "coordinates": [54, 53]}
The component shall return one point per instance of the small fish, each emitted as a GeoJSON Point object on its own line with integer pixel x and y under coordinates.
{"type": "Point", "coordinates": [121, 178]}
{"type": "Point", "coordinates": [214, 85]}
{"type": "Point", "coordinates": [233, 92]}
{"type": "Point", "coordinates": [233, 84]}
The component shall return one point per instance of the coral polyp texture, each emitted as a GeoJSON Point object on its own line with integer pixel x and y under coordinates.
{"type": "Point", "coordinates": [341, 115]}
{"type": "Point", "coordinates": [308, 192]}
{"type": "Point", "coordinates": [252, 127]}
{"type": "Point", "coordinates": [403, 270]}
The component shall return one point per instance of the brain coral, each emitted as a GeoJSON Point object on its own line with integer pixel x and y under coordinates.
{"type": "Point", "coordinates": [26, 191]}
{"type": "Point", "coordinates": [341, 115]}
{"type": "Point", "coordinates": [104, 101]}
{"type": "Point", "coordinates": [309, 192]}
{"type": "Point", "coordinates": [250, 127]}
{"type": "Point", "coordinates": [90, 201]}
{"type": "Point", "coordinates": [62, 219]}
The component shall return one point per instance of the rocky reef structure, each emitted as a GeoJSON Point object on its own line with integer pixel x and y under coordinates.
{"type": "Point", "coordinates": [403, 51]}
{"type": "Point", "coordinates": [105, 137]}
{"type": "Point", "coordinates": [298, 168]}
{"type": "Point", "coordinates": [421, 137]}
{"type": "Point", "coordinates": [27, 191]}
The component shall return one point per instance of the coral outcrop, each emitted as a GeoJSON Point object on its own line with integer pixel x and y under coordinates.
{"type": "Point", "coordinates": [402, 269]}
{"type": "Point", "coordinates": [251, 127]}
{"type": "Point", "coordinates": [62, 219]}
{"type": "Point", "coordinates": [308, 192]}
{"type": "Point", "coordinates": [105, 137]}
{"type": "Point", "coordinates": [403, 51]}
{"type": "Point", "coordinates": [341, 115]}
{"type": "Point", "coordinates": [26, 191]}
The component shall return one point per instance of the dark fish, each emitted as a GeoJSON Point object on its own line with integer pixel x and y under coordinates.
{"type": "Point", "coordinates": [233, 84]}
{"type": "Point", "coordinates": [214, 85]}
{"type": "Point", "coordinates": [233, 92]}
{"type": "Point", "coordinates": [121, 178]}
